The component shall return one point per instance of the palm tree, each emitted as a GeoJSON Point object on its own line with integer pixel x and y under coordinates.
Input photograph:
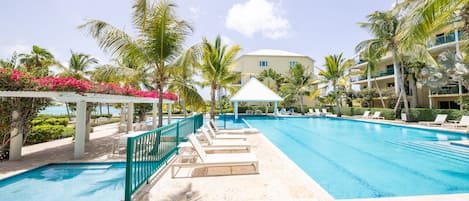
{"type": "Point", "coordinates": [216, 61]}
{"type": "Point", "coordinates": [78, 66]}
{"type": "Point", "coordinates": [385, 27]}
{"type": "Point", "coordinates": [300, 82]}
{"type": "Point", "coordinates": [337, 68]}
{"type": "Point", "coordinates": [182, 80]}
{"type": "Point", "coordinates": [37, 62]}
{"type": "Point", "coordinates": [422, 18]}
{"type": "Point", "coordinates": [160, 36]}
{"type": "Point", "coordinates": [271, 79]}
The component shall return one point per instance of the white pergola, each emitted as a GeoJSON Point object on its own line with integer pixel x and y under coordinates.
{"type": "Point", "coordinates": [255, 91]}
{"type": "Point", "coordinates": [16, 141]}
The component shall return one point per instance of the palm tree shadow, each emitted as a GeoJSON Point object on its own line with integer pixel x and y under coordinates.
{"type": "Point", "coordinates": [185, 194]}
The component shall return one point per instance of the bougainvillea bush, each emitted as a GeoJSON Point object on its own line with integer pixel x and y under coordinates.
{"type": "Point", "coordinates": [14, 80]}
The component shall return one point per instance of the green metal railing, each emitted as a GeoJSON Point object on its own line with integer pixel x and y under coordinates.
{"type": "Point", "coordinates": [148, 152]}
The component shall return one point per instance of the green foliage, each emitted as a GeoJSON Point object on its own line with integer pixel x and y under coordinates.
{"type": "Point", "coordinates": [464, 102]}
{"type": "Point", "coordinates": [44, 133]}
{"type": "Point", "coordinates": [426, 114]}
{"type": "Point", "coordinates": [352, 111]}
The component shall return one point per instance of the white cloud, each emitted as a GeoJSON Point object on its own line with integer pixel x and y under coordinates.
{"type": "Point", "coordinates": [261, 16]}
{"type": "Point", "coordinates": [195, 11]}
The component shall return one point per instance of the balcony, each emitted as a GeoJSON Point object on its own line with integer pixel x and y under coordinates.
{"type": "Point", "coordinates": [379, 74]}
{"type": "Point", "coordinates": [444, 39]}
{"type": "Point", "coordinates": [449, 90]}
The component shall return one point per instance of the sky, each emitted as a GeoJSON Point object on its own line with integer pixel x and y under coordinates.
{"type": "Point", "coordinates": [309, 27]}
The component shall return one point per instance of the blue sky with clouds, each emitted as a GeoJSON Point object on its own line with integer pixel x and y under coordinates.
{"type": "Point", "coordinates": [313, 28]}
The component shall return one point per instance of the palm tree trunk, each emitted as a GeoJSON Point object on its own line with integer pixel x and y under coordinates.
{"type": "Point", "coordinates": [301, 104]}
{"type": "Point", "coordinates": [68, 112]}
{"type": "Point", "coordinates": [413, 89]}
{"type": "Point", "coordinates": [212, 97]}
{"type": "Point", "coordinates": [368, 77]}
{"type": "Point", "coordinates": [100, 109]}
{"type": "Point", "coordinates": [339, 114]}
{"type": "Point", "coordinates": [400, 82]}
{"type": "Point", "coordinates": [380, 94]}
{"type": "Point", "coordinates": [160, 104]}
{"type": "Point", "coordinates": [108, 109]}
{"type": "Point", "coordinates": [183, 105]}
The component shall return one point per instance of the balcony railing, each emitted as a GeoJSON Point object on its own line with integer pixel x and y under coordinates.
{"type": "Point", "coordinates": [379, 74]}
{"type": "Point", "coordinates": [449, 90]}
{"type": "Point", "coordinates": [444, 39]}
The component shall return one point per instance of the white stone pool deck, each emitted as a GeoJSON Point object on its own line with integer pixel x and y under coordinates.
{"type": "Point", "coordinates": [279, 178]}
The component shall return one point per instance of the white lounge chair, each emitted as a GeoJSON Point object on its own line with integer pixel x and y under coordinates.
{"type": "Point", "coordinates": [439, 120]}
{"type": "Point", "coordinates": [318, 113]}
{"type": "Point", "coordinates": [215, 160]}
{"type": "Point", "coordinates": [218, 136]}
{"type": "Point", "coordinates": [464, 122]}
{"type": "Point", "coordinates": [324, 111]}
{"type": "Point", "coordinates": [377, 115]}
{"type": "Point", "coordinates": [283, 111]}
{"type": "Point", "coordinates": [225, 143]}
{"type": "Point", "coordinates": [366, 114]}
{"type": "Point", "coordinates": [232, 131]}
{"type": "Point", "coordinates": [310, 111]}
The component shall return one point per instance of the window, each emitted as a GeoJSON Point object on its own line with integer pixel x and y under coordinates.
{"type": "Point", "coordinates": [448, 105]}
{"type": "Point", "coordinates": [292, 63]}
{"type": "Point", "coordinates": [263, 64]}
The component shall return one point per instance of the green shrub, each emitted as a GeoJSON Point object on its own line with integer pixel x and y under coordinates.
{"type": "Point", "coordinates": [44, 133]}
{"type": "Point", "coordinates": [56, 121]}
{"type": "Point", "coordinates": [351, 111]}
{"type": "Point", "coordinates": [95, 116]}
{"type": "Point", "coordinates": [427, 114]}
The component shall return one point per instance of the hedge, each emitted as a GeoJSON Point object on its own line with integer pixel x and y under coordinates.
{"type": "Point", "coordinates": [50, 121]}
{"type": "Point", "coordinates": [44, 133]}
{"type": "Point", "coordinates": [351, 111]}
{"type": "Point", "coordinates": [427, 114]}
{"type": "Point", "coordinates": [416, 114]}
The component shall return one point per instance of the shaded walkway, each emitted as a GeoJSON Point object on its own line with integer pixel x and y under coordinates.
{"type": "Point", "coordinates": [99, 149]}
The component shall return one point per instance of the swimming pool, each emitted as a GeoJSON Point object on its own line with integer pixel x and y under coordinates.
{"type": "Point", "coordinates": [352, 159]}
{"type": "Point", "coordinates": [71, 182]}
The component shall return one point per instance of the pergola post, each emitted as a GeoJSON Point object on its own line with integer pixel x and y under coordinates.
{"type": "Point", "coordinates": [16, 142]}
{"type": "Point", "coordinates": [169, 112]}
{"type": "Point", "coordinates": [130, 117]}
{"type": "Point", "coordinates": [275, 108]}
{"type": "Point", "coordinates": [236, 109]}
{"type": "Point", "coordinates": [154, 115]}
{"type": "Point", "coordinates": [80, 130]}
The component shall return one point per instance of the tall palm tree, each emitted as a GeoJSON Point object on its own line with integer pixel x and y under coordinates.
{"type": "Point", "coordinates": [300, 82]}
{"type": "Point", "coordinates": [182, 80]}
{"type": "Point", "coordinates": [37, 62]}
{"type": "Point", "coordinates": [160, 36]}
{"type": "Point", "coordinates": [337, 68]}
{"type": "Point", "coordinates": [385, 26]}
{"type": "Point", "coordinates": [216, 61]}
{"type": "Point", "coordinates": [423, 18]}
{"type": "Point", "coordinates": [78, 66]}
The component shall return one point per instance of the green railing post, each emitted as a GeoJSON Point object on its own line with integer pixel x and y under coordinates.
{"type": "Point", "coordinates": [128, 169]}
{"type": "Point", "coordinates": [177, 137]}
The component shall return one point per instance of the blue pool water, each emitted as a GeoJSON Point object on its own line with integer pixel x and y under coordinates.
{"type": "Point", "coordinates": [71, 182]}
{"type": "Point", "coordinates": [352, 159]}
{"type": "Point", "coordinates": [228, 121]}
